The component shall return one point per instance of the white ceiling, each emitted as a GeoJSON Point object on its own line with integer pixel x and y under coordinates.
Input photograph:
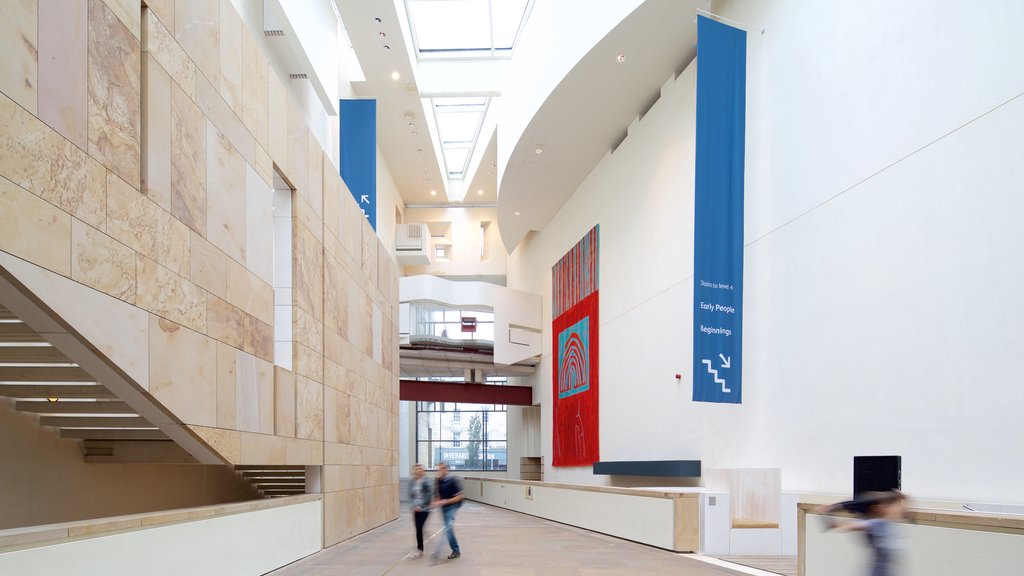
{"type": "Point", "coordinates": [588, 113]}
{"type": "Point", "coordinates": [583, 118]}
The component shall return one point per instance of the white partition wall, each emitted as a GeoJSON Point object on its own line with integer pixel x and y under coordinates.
{"type": "Point", "coordinates": [924, 550]}
{"type": "Point", "coordinates": [243, 544]}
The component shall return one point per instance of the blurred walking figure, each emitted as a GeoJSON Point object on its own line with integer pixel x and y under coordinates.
{"type": "Point", "coordinates": [421, 494]}
{"type": "Point", "coordinates": [879, 511]}
{"type": "Point", "coordinates": [449, 498]}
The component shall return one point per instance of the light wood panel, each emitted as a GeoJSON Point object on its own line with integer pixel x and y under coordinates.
{"type": "Point", "coordinates": [47, 407]}
{"type": "Point", "coordinates": [113, 434]}
{"type": "Point", "coordinates": [54, 391]}
{"type": "Point", "coordinates": [43, 374]}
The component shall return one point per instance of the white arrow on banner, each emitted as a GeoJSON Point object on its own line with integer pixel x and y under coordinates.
{"type": "Point", "coordinates": [364, 198]}
{"type": "Point", "coordinates": [726, 362]}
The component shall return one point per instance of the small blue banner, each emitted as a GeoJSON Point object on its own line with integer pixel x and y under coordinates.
{"type": "Point", "coordinates": [718, 213]}
{"type": "Point", "coordinates": [358, 153]}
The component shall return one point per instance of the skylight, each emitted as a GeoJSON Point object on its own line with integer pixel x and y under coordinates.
{"type": "Point", "coordinates": [466, 28]}
{"type": "Point", "coordinates": [458, 125]}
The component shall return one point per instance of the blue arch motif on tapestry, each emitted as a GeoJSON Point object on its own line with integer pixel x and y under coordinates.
{"type": "Point", "coordinates": [573, 359]}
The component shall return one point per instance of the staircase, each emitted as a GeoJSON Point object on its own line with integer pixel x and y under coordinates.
{"type": "Point", "coordinates": [44, 382]}
{"type": "Point", "coordinates": [274, 481]}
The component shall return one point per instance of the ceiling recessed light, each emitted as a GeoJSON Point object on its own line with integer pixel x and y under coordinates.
{"type": "Point", "coordinates": [409, 115]}
{"type": "Point", "coordinates": [377, 20]}
{"type": "Point", "coordinates": [539, 150]}
{"type": "Point", "coordinates": [621, 58]}
{"type": "Point", "coordinates": [414, 133]}
{"type": "Point", "coordinates": [479, 192]}
{"type": "Point", "coordinates": [381, 35]}
{"type": "Point", "coordinates": [387, 48]}
{"type": "Point", "coordinates": [433, 192]}
{"type": "Point", "coordinates": [395, 75]}
{"type": "Point", "coordinates": [420, 150]}
{"type": "Point", "coordinates": [516, 213]}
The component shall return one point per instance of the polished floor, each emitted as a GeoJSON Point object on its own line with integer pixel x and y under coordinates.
{"type": "Point", "coordinates": [497, 542]}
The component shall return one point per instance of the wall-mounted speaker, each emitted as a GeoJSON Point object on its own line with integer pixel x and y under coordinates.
{"type": "Point", "coordinates": [876, 474]}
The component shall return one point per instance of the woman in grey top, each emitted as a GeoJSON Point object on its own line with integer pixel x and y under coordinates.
{"type": "Point", "coordinates": [420, 494]}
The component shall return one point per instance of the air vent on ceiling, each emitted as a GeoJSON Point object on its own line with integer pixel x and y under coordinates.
{"type": "Point", "coordinates": [273, 32]}
{"type": "Point", "coordinates": [297, 77]}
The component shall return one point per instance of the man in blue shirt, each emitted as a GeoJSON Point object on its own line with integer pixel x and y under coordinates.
{"type": "Point", "coordinates": [449, 498]}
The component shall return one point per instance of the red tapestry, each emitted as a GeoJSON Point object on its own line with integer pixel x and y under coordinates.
{"type": "Point", "coordinates": [574, 331]}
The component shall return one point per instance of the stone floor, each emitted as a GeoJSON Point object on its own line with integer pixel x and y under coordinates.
{"type": "Point", "coordinates": [496, 542]}
{"type": "Point", "coordinates": [784, 565]}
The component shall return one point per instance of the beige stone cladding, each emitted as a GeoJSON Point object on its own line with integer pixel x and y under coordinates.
{"type": "Point", "coordinates": [137, 152]}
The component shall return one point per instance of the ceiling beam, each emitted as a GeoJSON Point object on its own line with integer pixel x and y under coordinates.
{"type": "Point", "coordinates": [489, 368]}
{"type": "Point", "coordinates": [427, 391]}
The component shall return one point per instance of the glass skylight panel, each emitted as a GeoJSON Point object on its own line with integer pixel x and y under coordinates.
{"type": "Point", "coordinates": [466, 28]}
{"type": "Point", "coordinates": [455, 159]}
{"type": "Point", "coordinates": [457, 127]}
{"type": "Point", "coordinates": [463, 102]}
{"type": "Point", "coordinates": [507, 16]}
{"type": "Point", "coordinates": [455, 25]}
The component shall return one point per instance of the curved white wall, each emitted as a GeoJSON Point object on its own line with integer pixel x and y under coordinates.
{"type": "Point", "coordinates": [883, 267]}
{"type": "Point", "coordinates": [557, 35]}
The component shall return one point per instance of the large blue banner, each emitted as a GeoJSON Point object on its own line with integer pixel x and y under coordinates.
{"type": "Point", "coordinates": [718, 213]}
{"type": "Point", "coordinates": [358, 152]}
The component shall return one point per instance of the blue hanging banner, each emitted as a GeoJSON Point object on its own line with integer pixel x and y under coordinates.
{"type": "Point", "coordinates": [358, 153]}
{"type": "Point", "coordinates": [718, 213]}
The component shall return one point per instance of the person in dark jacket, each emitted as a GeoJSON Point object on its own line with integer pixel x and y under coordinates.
{"type": "Point", "coordinates": [449, 498]}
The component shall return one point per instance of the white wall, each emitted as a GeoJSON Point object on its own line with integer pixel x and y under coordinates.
{"type": "Point", "coordinates": [236, 545]}
{"type": "Point", "coordinates": [883, 266]}
{"type": "Point", "coordinates": [388, 201]}
{"type": "Point", "coordinates": [465, 237]}
{"type": "Point", "coordinates": [639, 517]}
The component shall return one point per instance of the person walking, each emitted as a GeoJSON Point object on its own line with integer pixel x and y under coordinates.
{"type": "Point", "coordinates": [880, 511]}
{"type": "Point", "coordinates": [449, 498]}
{"type": "Point", "coordinates": [421, 494]}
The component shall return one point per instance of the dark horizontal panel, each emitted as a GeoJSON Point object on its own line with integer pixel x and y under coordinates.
{"type": "Point", "coordinates": [673, 468]}
{"type": "Point", "coordinates": [425, 391]}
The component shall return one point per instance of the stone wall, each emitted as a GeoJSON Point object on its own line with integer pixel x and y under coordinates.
{"type": "Point", "coordinates": [138, 146]}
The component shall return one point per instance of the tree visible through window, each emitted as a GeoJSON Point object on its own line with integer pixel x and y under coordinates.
{"type": "Point", "coordinates": [465, 436]}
